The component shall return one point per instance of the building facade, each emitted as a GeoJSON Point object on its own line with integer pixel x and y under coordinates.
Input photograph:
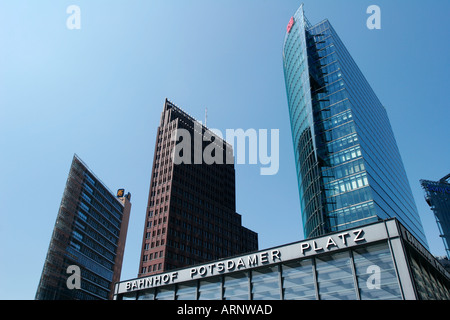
{"type": "Point", "coordinates": [89, 237]}
{"type": "Point", "coordinates": [437, 195]}
{"type": "Point", "coordinates": [191, 213]}
{"type": "Point", "coordinates": [379, 261]}
{"type": "Point", "coordinates": [349, 168]}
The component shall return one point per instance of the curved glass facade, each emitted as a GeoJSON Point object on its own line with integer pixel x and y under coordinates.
{"type": "Point", "coordinates": [297, 77]}
{"type": "Point", "coordinates": [348, 165]}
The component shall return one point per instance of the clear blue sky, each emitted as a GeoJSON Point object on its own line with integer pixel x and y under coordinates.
{"type": "Point", "coordinates": [99, 92]}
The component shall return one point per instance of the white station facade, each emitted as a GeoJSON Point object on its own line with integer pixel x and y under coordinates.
{"type": "Point", "coordinates": [379, 261]}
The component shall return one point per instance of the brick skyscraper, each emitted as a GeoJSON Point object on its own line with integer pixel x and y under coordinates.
{"type": "Point", "coordinates": [191, 213]}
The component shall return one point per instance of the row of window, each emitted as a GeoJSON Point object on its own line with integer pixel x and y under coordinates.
{"type": "Point", "coordinates": [98, 223]}
{"type": "Point", "coordinates": [203, 248]}
{"type": "Point", "coordinates": [197, 182]}
{"type": "Point", "coordinates": [74, 250]}
{"type": "Point", "coordinates": [110, 202]}
{"type": "Point", "coordinates": [151, 268]}
{"type": "Point", "coordinates": [155, 232]}
{"type": "Point", "coordinates": [343, 216]}
{"type": "Point", "coordinates": [366, 273]}
{"type": "Point", "coordinates": [203, 226]}
{"type": "Point", "coordinates": [377, 139]}
{"type": "Point", "coordinates": [163, 159]}
{"type": "Point", "coordinates": [152, 256]}
{"type": "Point", "coordinates": [104, 258]}
{"type": "Point", "coordinates": [347, 184]}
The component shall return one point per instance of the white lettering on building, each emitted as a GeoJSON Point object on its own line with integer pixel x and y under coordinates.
{"type": "Point", "coordinates": [286, 253]}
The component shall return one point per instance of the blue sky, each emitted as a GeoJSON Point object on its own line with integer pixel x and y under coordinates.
{"type": "Point", "coordinates": [99, 92]}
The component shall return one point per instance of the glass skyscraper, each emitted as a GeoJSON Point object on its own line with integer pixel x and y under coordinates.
{"type": "Point", "coordinates": [349, 168]}
{"type": "Point", "coordinates": [437, 195]}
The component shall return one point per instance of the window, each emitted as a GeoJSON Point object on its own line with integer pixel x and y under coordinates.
{"type": "Point", "coordinates": [75, 245]}
{"type": "Point", "coordinates": [147, 295]}
{"type": "Point", "coordinates": [335, 277]}
{"type": "Point", "coordinates": [84, 207]}
{"type": "Point", "coordinates": [165, 293]}
{"type": "Point", "coordinates": [236, 286]}
{"type": "Point", "coordinates": [187, 291]}
{"type": "Point", "coordinates": [266, 284]}
{"type": "Point", "coordinates": [89, 179]}
{"type": "Point", "coordinates": [88, 189]}
{"type": "Point", "coordinates": [82, 216]}
{"type": "Point", "coordinates": [210, 289]}
{"type": "Point", "coordinates": [77, 235]}
{"type": "Point", "coordinates": [375, 273]}
{"type": "Point", "coordinates": [298, 280]}
{"type": "Point", "coordinates": [129, 296]}
{"type": "Point", "coordinates": [86, 197]}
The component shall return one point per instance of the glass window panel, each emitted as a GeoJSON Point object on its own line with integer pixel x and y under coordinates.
{"type": "Point", "coordinates": [210, 289]}
{"type": "Point", "coordinates": [187, 291]}
{"type": "Point", "coordinates": [147, 295]}
{"type": "Point", "coordinates": [236, 287]}
{"type": "Point", "coordinates": [298, 280]}
{"type": "Point", "coordinates": [165, 293]}
{"type": "Point", "coordinates": [266, 284]}
{"type": "Point", "coordinates": [335, 277]}
{"type": "Point", "coordinates": [375, 273]}
{"type": "Point", "coordinates": [420, 277]}
{"type": "Point", "coordinates": [129, 296]}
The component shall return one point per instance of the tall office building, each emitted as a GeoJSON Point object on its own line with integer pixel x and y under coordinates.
{"type": "Point", "coordinates": [349, 168]}
{"type": "Point", "coordinates": [191, 214]}
{"type": "Point", "coordinates": [437, 195]}
{"type": "Point", "coordinates": [89, 237]}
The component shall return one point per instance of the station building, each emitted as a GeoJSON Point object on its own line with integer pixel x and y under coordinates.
{"type": "Point", "coordinates": [379, 261]}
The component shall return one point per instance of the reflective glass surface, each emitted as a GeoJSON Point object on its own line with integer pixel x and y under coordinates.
{"type": "Point", "coordinates": [266, 284]}
{"type": "Point", "coordinates": [377, 279]}
{"type": "Point", "coordinates": [148, 294]}
{"type": "Point", "coordinates": [429, 284]}
{"type": "Point", "coordinates": [129, 296]}
{"type": "Point", "coordinates": [335, 277]}
{"type": "Point", "coordinates": [210, 289]}
{"type": "Point", "coordinates": [366, 271]}
{"type": "Point", "coordinates": [236, 286]}
{"type": "Point", "coordinates": [437, 195]}
{"type": "Point", "coordinates": [298, 280]}
{"type": "Point", "coordinates": [187, 291]}
{"type": "Point", "coordinates": [86, 234]}
{"type": "Point", "coordinates": [349, 168]}
{"type": "Point", "coordinates": [165, 293]}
